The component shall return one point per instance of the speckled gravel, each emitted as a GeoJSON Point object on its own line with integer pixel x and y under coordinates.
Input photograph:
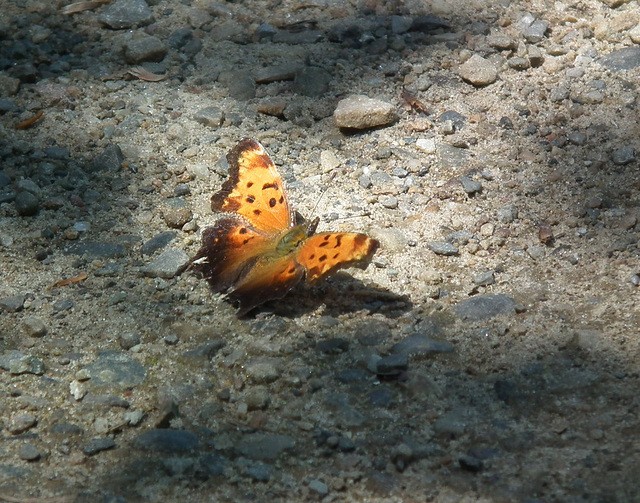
{"type": "Point", "coordinates": [489, 353]}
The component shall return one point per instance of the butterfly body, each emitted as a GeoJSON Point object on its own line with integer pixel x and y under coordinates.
{"type": "Point", "coordinates": [261, 251]}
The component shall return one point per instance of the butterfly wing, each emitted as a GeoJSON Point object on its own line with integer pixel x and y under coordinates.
{"type": "Point", "coordinates": [230, 249]}
{"type": "Point", "coordinates": [254, 189]}
{"type": "Point", "coordinates": [269, 279]}
{"type": "Point", "coordinates": [325, 253]}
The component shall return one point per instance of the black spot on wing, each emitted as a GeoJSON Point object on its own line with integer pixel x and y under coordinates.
{"type": "Point", "coordinates": [250, 199]}
{"type": "Point", "coordinates": [272, 202]}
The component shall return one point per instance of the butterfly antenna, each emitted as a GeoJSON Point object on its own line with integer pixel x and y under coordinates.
{"type": "Point", "coordinates": [324, 191]}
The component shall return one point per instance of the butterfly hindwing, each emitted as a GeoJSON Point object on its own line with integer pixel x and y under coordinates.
{"type": "Point", "coordinates": [323, 254]}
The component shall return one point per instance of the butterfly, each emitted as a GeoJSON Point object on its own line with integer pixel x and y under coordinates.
{"type": "Point", "coordinates": [262, 249]}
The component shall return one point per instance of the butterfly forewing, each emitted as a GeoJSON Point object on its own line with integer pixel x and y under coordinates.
{"type": "Point", "coordinates": [254, 189]}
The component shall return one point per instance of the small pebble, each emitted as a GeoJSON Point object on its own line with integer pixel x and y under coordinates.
{"type": "Point", "coordinates": [478, 71]}
{"type": "Point", "coordinates": [361, 112]}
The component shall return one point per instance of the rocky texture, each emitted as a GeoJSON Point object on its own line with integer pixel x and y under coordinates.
{"type": "Point", "coordinates": [488, 353]}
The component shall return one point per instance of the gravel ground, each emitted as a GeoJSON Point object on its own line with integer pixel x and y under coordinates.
{"type": "Point", "coordinates": [489, 353]}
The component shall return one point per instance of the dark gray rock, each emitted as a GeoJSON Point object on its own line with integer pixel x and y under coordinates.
{"type": "Point", "coordinates": [209, 116]}
{"type": "Point", "coordinates": [21, 423]}
{"type": "Point", "coordinates": [157, 242]}
{"type": "Point", "coordinates": [167, 441]}
{"type": "Point", "coordinates": [419, 345]}
{"type": "Point", "coordinates": [507, 214]}
{"type": "Point", "coordinates": [27, 204]}
{"type": "Point", "coordinates": [372, 332]}
{"type": "Point", "coordinates": [29, 452]}
{"type": "Point", "coordinates": [97, 445]}
{"type": "Point", "coordinates": [65, 429]}
{"type": "Point", "coordinates": [264, 446]}
{"type": "Point", "coordinates": [459, 238]}
{"type": "Point", "coordinates": [622, 156]}
{"type": "Point", "coordinates": [204, 351]}
{"type": "Point", "coordinates": [300, 37]}
{"type": "Point", "coordinates": [145, 48]}
{"type": "Point", "coordinates": [125, 14]}
{"type": "Point", "coordinates": [348, 376]}
{"type": "Point", "coordinates": [110, 159]}
{"type": "Point", "coordinates": [311, 81]}
{"type": "Point", "coordinates": [62, 305]}
{"type": "Point", "coordinates": [286, 71]}
{"type": "Point", "coordinates": [380, 397]}
{"type": "Point", "coordinates": [622, 59]}
{"type": "Point", "coordinates": [443, 248]}
{"type": "Point", "coordinates": [470, 186]}
{"type": "Point", "coordinates": [58, 153]}
{"type": "Point", "coordinates": [260, 472]}
{"type": "Point", "coordinates": [392, 364]}
{"type": "Point", "coordinates": [240, 84]}
{"type": "Point", "coordinates": [482, 307]}
{"type": "Point", "coordinates": [334, 345]}
{"type": "Point", "coordinates": [212, 465]}
{"type": "Point", "coordinates": [485, 278]}
{"type": "Point", "coordinates": [116, 369]}
{"type": "Point", "coordinates": [457, 119]}
{"type": "Point", "coordinates": [12, 304]}
{"type": "Point", "coordinates": [19, 363]}
{"type": "Point", "coordinates": [34, 327]}
{"type": "Point", "coordinates": [105, 401]}
{"type": "Point", "coordinates": [169, 264]}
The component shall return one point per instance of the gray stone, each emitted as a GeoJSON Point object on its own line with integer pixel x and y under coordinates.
{"type": "Point", "coordinates": [169, 264]}
{"type": "Point", "coordinates": [126, 14]}
{"type": "Point", "coordinates": [145, 48]}
{"type": "Point", "coordinates": [110, 159]}
{"type": "Point", "coordinates": [19, 363]}
{"type": "Point", "coordinates": [58, 153]}
{"type": "Point", "coordinates": [257, 398]}
{"type": "Point", "coordinates": [559, 94]}
{"type": "Point", "coordinates": [451, 424]}
{"type": "Point", "coordinates": [97, 445]}
{"type": "Point", "coordinates": [508, 213]}
{"type": "Point", "coordinates": [478, 71]}
{"type": "Point", "coordinates": [623, 155]}
{"type": "Point", "coordinates": [470, 186]}
{"type": "Point", "coordinates": [262, 371]}
{"type": "Point", "coordinates": [209, 116]}
{"type": "Point", "coordinates": [29, 452]}
{"type": "Point", "coordinates": [63, 305]}
{"type": "Point", "coordinates": [177, 216]}
{"type": "Point", "coordinates": [105, 401]}
{"type": "Point", "coordinates": [459, 238]}
{"type": "Point", "coordinates": [485, 278]}
{"type": "Point", "coordinates": [419, 345]}
{"type": "Point", "coordinates": [381, 397]}
{"type": "Point", "coordinates": [319, 488]}
{"type": "Point", "coordinates": [301, 37]}
{"type": "Point", "coordinates": [116, 369]}
{"type": "Point", "coordinates": [21, 423]}
{"type": "Point", "coordinates": [334, 345]}
{"type": "Point", "coordinates": [12, 304]}
{"type": "Point", "coordinates": [257, 471]}
{"type": "Point", "coordinates": [240, 84]}
{"type": "Point", "coordinates": [286, 71]}
{"type": "Point", "coordinates": [27, 204]}
{"type": "Point", "coordinates": [109, 270]}
{"type": "Point", "coordinates": [212, 465]}
{"type": "Point", "coordinates": [128, 340]}
{"type": "Point", "coordinates": [157, 242]}
{"type": "Point", "coordinates": [372, 332]}
{"type": "Point", "coordinates": [204, 351]}
{"type": "Point", "coordinates": [311, 81]}
{"type": "Point", "coordinates": [400, 24]}
{"type": "Point", "coordinates": [533, 29]}
{"type": "Point", "coordinates": [167, 441]}
{"type": "Point", "coordinates": [361, 112]}
{"type": "Point", "coordinates": [264, 446]}
{"type": "Point", "coordinates": [577, 138]}
{"type": "Point", "coordinates": [34, 327]}
{"type": "Point", "coordinates": [28, 186]}
{"type": "Point", "coordinates": [443, 248]}
{"type": "Point", "coordinates": [482, 307]}
{"type": "Point", "coordinates": [452, 157]}
{"type": "Point", "coordinates": [622, 59]}
{"type": "Point", "coordinates": [501, 42]}
{"type": "Point", "coordinates": [392, 364]}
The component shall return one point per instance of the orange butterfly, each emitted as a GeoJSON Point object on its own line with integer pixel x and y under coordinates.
{"type": "Point", "coordinates": [262, 250]}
